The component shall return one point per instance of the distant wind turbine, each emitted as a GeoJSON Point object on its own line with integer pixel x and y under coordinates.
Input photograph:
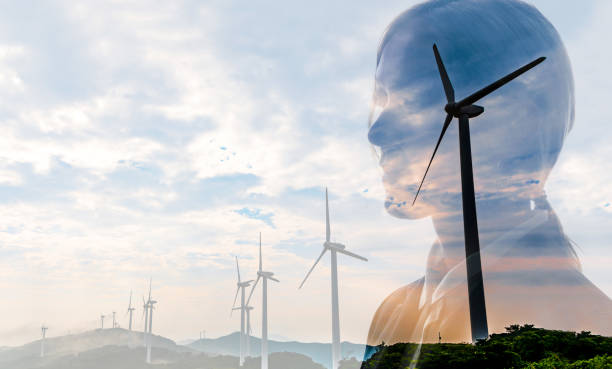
{"type": "Point", "coordinates": [151, 306]}
{"type": "Point", "coordinates": [114, 321]}
{"type": "Point", "coordinates": [247, 334]}
{"type": "Point", "coordinates": [42, 341]}
{"type": "Point", "coordinates": [145, 316]}
{"type": "Point", "coordinates": [261, 274]}
{"type": "Point", "coordinates": [464, 110]}
{"type": "Point", "coordinates": [333, 248]}
{"type": "Point", "coordinates": [241, 288]}
{"type": "Point", "coordinates": [130, 310]}
{"type": "Point", "coordinates": [102, 321]}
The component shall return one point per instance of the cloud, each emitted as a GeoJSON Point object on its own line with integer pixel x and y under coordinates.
{"type": "Point", "coordinates": [112, 167]}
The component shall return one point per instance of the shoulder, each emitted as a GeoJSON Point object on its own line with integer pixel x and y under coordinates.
{"type": "Point", "coordinates": [396, 316]}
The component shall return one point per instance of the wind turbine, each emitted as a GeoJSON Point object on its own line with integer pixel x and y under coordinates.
{"type": "Point", "coordinates": [241, 287]}
{"type": "Point", "coordinates": [247, 331]}
{"type": "Point", "coordinates": [102, 321]}
{"type": "Point", "coordinates": [261, 274]}
{"type": "Point", "coordinates": [464, 110]}
{"type": "Point", "coordinates": [333, 248]}
{"type": "Point", "coordinates": [114, 321]}
{"type": "Point", "coordinates": [145, 315]}
{"type": "Point", "coordinates": [130, 310]}
{"type": "Point", "coordinates": [151, 305]}
{"type": "Point", "coordinates": [43, 330]}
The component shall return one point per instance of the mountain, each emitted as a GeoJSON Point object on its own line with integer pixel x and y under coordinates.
{"type": "Point", "coordinates": [319, 352]}
{"type": "Point", "coordinates": [121, 349]}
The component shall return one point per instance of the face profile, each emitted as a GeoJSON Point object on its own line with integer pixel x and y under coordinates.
{"type": "Point", "coordinates": [529, 265]}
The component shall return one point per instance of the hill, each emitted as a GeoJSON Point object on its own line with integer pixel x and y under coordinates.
{"type": "Point", "coordinates": [520, 347]}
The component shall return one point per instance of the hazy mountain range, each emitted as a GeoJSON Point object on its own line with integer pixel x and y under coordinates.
{"type": "Point", "coordinates": [121, 349]}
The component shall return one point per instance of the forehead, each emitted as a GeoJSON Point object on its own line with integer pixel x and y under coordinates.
{"type": "Point", "coordinates": [479, 42]}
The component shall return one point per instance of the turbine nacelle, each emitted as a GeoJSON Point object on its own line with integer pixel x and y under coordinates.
{"type": "Point", "coordinates": [264, 274]}
{"type": "Point", "coordinates": [457, 110]}
{"type": "Point", "coordinates": [334, 245]}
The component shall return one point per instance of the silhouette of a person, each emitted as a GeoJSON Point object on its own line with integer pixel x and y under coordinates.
{"type": "Point", "coordinates": [531, 271]}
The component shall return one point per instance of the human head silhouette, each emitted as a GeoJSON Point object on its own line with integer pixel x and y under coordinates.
{"type": "Point", "coordinates": [517, 140]}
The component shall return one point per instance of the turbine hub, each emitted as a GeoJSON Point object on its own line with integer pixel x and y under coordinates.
{"type": "Point", "coordinates": [457, 110]}
{"type": "Point", "coordinates": [451, 108]}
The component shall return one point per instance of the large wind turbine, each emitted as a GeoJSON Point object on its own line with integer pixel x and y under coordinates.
{"type": "Point", "coordinates": [241, 287]}
{"type": "Point", "coordinates": [43, 330]}
{"type": "Point", "coordinates": [130, 310]}
{"type": "Point", "coordinates": [464, 110]}
{"type": "Point", "coordinates": [261, 274]}
{"type": "Point", "coordinates": [333, 248]}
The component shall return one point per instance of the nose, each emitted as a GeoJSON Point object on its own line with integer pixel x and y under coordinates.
{"type": "Point", "coordinates": [377, 134]}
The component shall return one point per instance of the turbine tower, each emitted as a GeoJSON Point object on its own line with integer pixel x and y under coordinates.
{"type": "Point", "coordinates": [102, 321]}
{"type": "Point", "coordinates": [241, 288]}
{"type": "Point", "coordinates": [130, 310]}
{"type": "Point", "coordinates": [114, 321]}
{"type": "Point", "coordinates": [333, 248]}
{"type": "Point", "coordinates": [43, 330]}
{"type": "Point", "coordinates": [261, 274]}
{"type": "Point", "coordinates": [464, 110]}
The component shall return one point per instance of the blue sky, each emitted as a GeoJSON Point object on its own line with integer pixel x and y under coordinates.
{"type": "Point", "coordinates": [159, 139]}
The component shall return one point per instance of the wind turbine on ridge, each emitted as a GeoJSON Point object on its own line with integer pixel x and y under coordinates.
{"type": "Point", "coordinates": [102, 321]}
{"type": "Point", "coordinates": [241, 288]}
{"type": "Point", "coordinates": [464, 110]}
{"type": "Point", "coordinates": [43, 330]}
{"type": "Point", "coordinates": [247, 333]}
{"type": "Point", "coordinates": [151, 304]}
{"type": "Point", "coordinates": [261, 274]}
{"type": "Point", "coordinates": [145, 316]}
{"type": "Point", "coordinates": [130, 310]}
{"type": "Point", "coordinates": [333, 249]}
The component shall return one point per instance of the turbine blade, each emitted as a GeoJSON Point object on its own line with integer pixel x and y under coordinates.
{"type": "Point", "coordinates": [150, 283]}
{"type": "Point", "coordinates": [236, 297]}
{"type": "Point", "coordinates": [253, 289]}
{"type": "Point", "coordinates": [444, 127]}
{"type": "Point", "coordinates": [327, 227]}
{"type": "Point", "coordinates": [313, 266]}
{"type": "Point", "coordinates": [238, 269]}
{"type": "Point", "coordinates": [274, 279]}
{"type": "Point", "coordinates": [448, 87]}
{"type": "Point", "coordinates": [345, 252]}
{"type": "Point", "coordinates": [499, 83]}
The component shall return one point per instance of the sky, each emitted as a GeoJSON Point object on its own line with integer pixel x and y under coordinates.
{"type": "Point", "coordinates": [155, 139]}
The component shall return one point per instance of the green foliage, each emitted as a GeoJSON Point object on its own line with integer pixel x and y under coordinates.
{"type": "Point", "coordinates": [519, 347]}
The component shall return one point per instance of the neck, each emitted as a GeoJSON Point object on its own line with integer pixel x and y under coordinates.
{"type": "Point", "coordinates": [500, 217]}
